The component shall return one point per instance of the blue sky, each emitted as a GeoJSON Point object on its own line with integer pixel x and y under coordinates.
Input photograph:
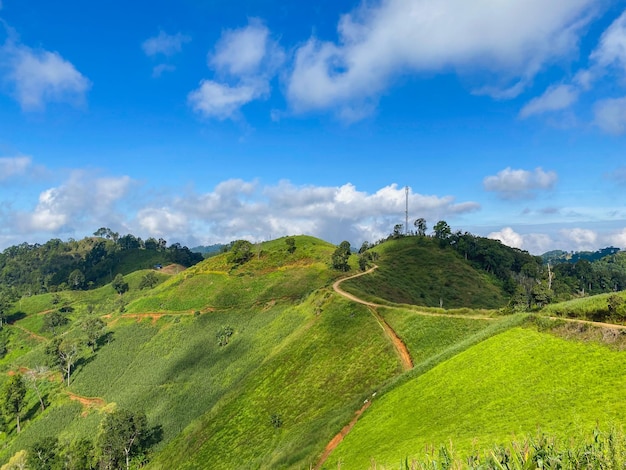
{"type": "Point", "coordinates": [206, 121]}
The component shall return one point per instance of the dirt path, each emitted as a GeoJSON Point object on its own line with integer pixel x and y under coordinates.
{"type": "Point", "coordinates": [612, 326]}
{"type": "Point", "coordinates": [401, 349]}
{"type": "Point", "coordinates": [339, 437]}
{"type": "Point", "coordinates": [30, 333]}
{"type": "Point", "coordinates": [87, 402]}
{"type": "Point", "coordinates": [140, 316]}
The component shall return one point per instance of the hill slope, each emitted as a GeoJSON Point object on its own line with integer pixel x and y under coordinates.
{"type": "Point", "coordinates": [511, 384]}
{"type": "Point", "coordinates": [415, 270]}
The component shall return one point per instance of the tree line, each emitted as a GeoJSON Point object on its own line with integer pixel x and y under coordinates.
{"type": "Point", "coordinates": [29, 269]}
{"type": "Point", "coordinates": [530, 281]}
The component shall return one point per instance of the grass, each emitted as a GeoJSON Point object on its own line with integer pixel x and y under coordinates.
{"type": "Point", "coordinates": [314, 381]}
{"type": "Point", "coordinates": [592, 308]}
{"type": "Point", "coordinates": [427, 336]}
{"type": "Point", "coordinates": [511, 384]}
{"type": "Point", "coordinates": [414, 270]}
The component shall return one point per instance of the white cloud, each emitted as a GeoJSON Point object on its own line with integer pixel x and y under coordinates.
{"type": "Point", "coordinates": [611, 49]}
{"type": "Point", "coordinates": [512, 40]}
{"type": "Point", "coordinates": [247, 52]}
{"type": "Point", "coordinates": [610, 115]}
{"type": "Point", "coordinates": [618, 239]}
{"type": "Point", "coordinates": [609, 55]}
{"type": "Point", "coordinates": [581, 239]}
{"type": "Point", "coordinates": [217, 100]}
{"type": "Point", "coordinates": [519, 184]}
{"type": "Point", "coordinates": [82, 199]}
{"type": "Point", "coordinates": [161, 221]}
{"type": "Point", "coordinates": [245, 60]}
{"type": "Point", "coordinates": [166, 44]}
{"type": "Point", "coordinates": [14, 166]}
{"type": "Point", "coordinates": [38, 77]}
{"type": "Point", "coordinates": [554, 98]}
{"type": "Point", "coordinates": [236, 209]}
{"type": "Point", "coordinates": [536, 243]}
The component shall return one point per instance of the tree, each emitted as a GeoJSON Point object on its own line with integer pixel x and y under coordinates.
{"type": "Point", "coordinates": [240, 252]}
{"type": "Point", "coordinates": [54, 320]}
{"type": "Point", "coordinates": [420, 226]}
{"type": "Point", "coordinates": [119, 284]}
{"type": "Point", "coordinates": [615, 305]}
{"type": "Point", "coordinates": [341, 256]}
{"type": "Point", "coordinates": [79, 455]}
{"type": "Point", "coordinates": [33, 376]}
{"type": "Point", "coordinates": [291, 244]}
{"type": "Point", "coordinates": [442, 230]}
{"type": "Point", "coordinates": [364, 247]}
{"type": "Point", "coordinates": [122, 435]}
{"type": "Point", "coordinates": [76, 279]}
{"type": "Point", "coordinates": [43, 454]}
{"type": "Point", "coordinates": [7, 297]}
{"type": "Point", "coordinates": [397, 230]}
{"type": "Point", "coordinates": [62, 353]}
{"type": "Point", "coordinates": [93, 328]}
{"type": "Point", "coordinates": [13, 394]}
{"type": "Point", "coordinates": [148, 281]}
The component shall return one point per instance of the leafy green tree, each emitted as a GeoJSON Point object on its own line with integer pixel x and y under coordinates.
{"type": "Point", "coordinates": [364, 260]}
{"type": "Point", "coordinates": [119, 284]}
{"type": "Point", "coordinates": [364, 247]}
{"type": "Point", "coordinates": [44, 454]}
{"type": "Point", "coordinates": [341, 256]}
{"type": "Point", "coordinates": [240, 252]}
{"type": "Point", "coordinates": [442, 230]}
{"type": "Point", "coordinates": [148, 281]}
{"type": "Point", "coordinates": [54, 320]}
{"type": "Point", "coordinates": [615, 305]}
{"type": "Point", "coordinates": [420, 226]}
{"type": "Point", "coordinates": [13, 397]}
{"type": "Point", "coordinates": [79, 455]}
{"type": "Point", "coordinates": [7, 297]}
{"type": "Point", "coordinates": [93, 329]}
{"type": "Point", "coordinates": [291, 244]}
{"type": "Point", "coordinates": [397, 230]}
{"type": "Point", "coordinates": [122, 435]}
{"type": "Point", "coordinates": [76, 280]}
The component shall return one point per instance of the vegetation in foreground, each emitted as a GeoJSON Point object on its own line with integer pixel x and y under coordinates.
{"type": "Point", "coordinates": [510, 384]}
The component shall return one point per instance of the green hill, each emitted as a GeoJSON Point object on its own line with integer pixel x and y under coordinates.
{"type": "Point", "coordinates": [250, 359]}
{"type": "Point", "coordinates": [415, 270]}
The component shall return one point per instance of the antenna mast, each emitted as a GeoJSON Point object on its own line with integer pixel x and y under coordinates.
{"type": "Point", "coordinates": [406, 225]}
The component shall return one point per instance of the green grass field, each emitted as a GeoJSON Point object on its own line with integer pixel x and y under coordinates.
{"type": "Point", "coordinates": [414, 270]}
{"type": "Point", "coordinates": [509, 385]}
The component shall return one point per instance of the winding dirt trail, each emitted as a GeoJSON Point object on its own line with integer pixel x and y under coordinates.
{"type": "Point", "coordinates": [398, 344]}
{"type": "Point", "coordinates": [400, 347]}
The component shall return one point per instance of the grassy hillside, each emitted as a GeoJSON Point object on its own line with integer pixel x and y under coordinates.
{"type": "Point", "coordinates": [298, 354]}
{"type": "Point", "coordinates": [299, 360]}
{"type": "Point", "coordinates": [414, 270]}
{"type": "Point", "coordinates": [594, 308]}
{"type": "Point", "coordinates": [511, 384]}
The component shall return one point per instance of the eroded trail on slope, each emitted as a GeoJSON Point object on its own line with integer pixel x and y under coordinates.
{"type": "Point", "coordinates": [401, 349]}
